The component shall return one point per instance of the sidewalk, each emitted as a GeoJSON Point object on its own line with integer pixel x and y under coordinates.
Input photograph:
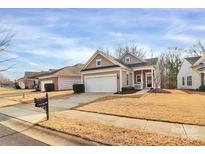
{"type": "Point", "coordinates": [174, 129]}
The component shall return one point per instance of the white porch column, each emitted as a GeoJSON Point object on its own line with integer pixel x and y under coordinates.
{"type": "Point", "coordinates": [81, 78]}
{"type": "Point", "coordinates": [133, 79]}
{"type": "Point", "coordinates": [152, 73]}
{"type": "Point", "coordinates": [120, 79]}
{"type": "Point", "coordinates": [142, 82]}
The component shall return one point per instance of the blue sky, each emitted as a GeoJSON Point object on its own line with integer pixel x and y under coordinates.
{"type": "Point", "coordinates": [54, 38]}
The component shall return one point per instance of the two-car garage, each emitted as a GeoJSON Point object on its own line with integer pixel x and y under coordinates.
{"type": "Point", "coordinates": [101, 83]}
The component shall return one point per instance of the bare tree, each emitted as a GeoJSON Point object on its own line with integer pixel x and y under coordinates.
{"type": "Point", "coordinates": [133, 48]}
{"type": "Point", "coordinates": [197, 49]}
{"type": "Point", "coordinates": [5, 82]}
{"type": "Point", "coordinates": [161, 68]}
{"type": "Point", "coordinates": [169, 64]}
{"type": "Point", "coordinates": [5, 40]}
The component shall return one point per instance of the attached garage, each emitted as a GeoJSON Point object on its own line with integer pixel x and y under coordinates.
{"type": "Point", "coordinates": [67, 82]}
{"type": "Point", "coordinates": [63, 79]}
{"type": "Point", "coordinates": [101, 83]}
{"type": "Point", "coordinates": [43, 84]}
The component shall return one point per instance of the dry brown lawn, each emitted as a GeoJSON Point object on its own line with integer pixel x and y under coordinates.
{"type": "Point", "coordinates": [10, 96]}
{"type": "Point", "coordinates": [13, 90]}
{"type": "Point", "coordinates": [27, 98]}
{"type": "Point", "coordinates": [178, 106]}
{"type": "Point", "coordinates": [112, 135]}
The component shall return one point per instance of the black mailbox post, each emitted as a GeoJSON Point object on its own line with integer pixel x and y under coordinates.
{"type": "Point", "coordinates": [43, 103]}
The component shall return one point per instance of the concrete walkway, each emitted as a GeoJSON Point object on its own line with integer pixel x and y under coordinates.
{"type": "Point", "coordinates": [183, 130]}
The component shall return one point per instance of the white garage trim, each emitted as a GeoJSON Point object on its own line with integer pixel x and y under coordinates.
{"type": "Point", "coordinates": [96, 76]}
{"type": "Point", "coordinates": [101, 83]}
{"type": "Point", "coordinates": [102, 70]}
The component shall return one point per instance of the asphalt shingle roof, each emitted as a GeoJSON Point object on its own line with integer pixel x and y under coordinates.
{"type": "Point", "coordinates": [192, 60]}
{"type": "Point", "coordinates": [148, 62]}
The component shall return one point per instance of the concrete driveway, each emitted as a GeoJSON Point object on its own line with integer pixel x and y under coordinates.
{"type": "Point", "coordinates": [30, 113]}
{"type": "Point", "coordinates": [74, 100]}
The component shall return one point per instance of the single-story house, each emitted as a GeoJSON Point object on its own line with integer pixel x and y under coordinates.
{"type": "Point", "coordinates": [29, 81]}
{"type": "Point", "coordinates": [191, 74]}
{"type": "Point", "coordinates": [63, 79]}
{"type": "Point", "coordinates": [104, 73]}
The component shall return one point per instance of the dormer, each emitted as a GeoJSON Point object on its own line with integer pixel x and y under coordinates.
{"type": "Point", "coordinates": [129, 58]}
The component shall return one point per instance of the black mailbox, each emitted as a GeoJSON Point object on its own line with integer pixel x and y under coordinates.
{"type": "Point", "coordinates": [43, 103]}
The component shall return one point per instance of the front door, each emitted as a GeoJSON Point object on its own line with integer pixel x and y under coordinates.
{"type": "Point", "coordinates": [148, 80]}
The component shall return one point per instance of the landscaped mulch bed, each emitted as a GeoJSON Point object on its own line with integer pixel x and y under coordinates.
{"type": "Point", "coordinates": [158, 90]}
{"type": "Point", "coordinates": [111, 135]}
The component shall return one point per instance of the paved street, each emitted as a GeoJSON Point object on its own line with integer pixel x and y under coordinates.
{"type": "Point", "coordinates": [14, 138]}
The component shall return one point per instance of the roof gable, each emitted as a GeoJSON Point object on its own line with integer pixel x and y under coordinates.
{"type": "Point", "coordinates": [200, 59]}
{"type": "Point", "coordinates": [109, 58]}
{"type": "Point", "coordinates": [133, 58]}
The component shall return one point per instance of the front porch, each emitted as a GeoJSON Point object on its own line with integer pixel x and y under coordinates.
{"type": "Point", "coordinates": [143, 79]}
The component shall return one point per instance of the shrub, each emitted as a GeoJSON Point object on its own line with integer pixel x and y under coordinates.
{"type": "Point", "coordinates": [202, 88]}
{"type": "Point", "coordinates": [78, 88]}
{"type": "Point", "coordinates": [49, 87]}
{"type": "Point", "coordinates": [17, 86]}
{"type": "Point", "coordinates": [127, 89]}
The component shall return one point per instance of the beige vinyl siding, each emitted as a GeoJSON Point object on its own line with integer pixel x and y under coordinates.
{"type": "Point", "coordinates": [124, 79]}
{"type": "Point", "coordinates": [132, 58]}
{"type": "Point", "coordinates": [54, 81]}
{"type": "Point", "coordinates": [104, 62]}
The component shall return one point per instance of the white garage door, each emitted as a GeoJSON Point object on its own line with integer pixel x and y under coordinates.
{"type": "Point", "coordinates": [67, 82]}
{"type": "Point", "coordinates": [43, 84]}
{"type": "Point", "coordinates": [106, 83]}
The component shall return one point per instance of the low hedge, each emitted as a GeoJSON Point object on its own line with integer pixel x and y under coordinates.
{"type": "Point", "coordinates": [49, 87]}
{"type": "Point", "coordinates": [79, 88]}
{"type": "Point", "coordinates": [202, 88]}
{"type": "Point", "coordinates": [127, 89]}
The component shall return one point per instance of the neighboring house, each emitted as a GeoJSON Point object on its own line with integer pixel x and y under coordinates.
{"type": "Point", "coordinates": [191, 74]}
{"type": "Point", "coordinates": [29, 81]}
{"type": "Point", "coordinates": [104, 73]}
{"type": "Point", "coordinates": [63, 79]}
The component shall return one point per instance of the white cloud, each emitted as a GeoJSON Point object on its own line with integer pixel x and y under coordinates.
{"type": "Point", "coordinates": [33, 64]}
{"type": "Point", "coordinates": [180, 37]}
{"type": "Point", "coordinates": [124, 35]}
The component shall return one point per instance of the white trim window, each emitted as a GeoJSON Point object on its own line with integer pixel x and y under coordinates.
{"type": "Point", "coordinates": [183, 81]}
{"type": "Point", "coordinates": [138, 78]}
{"type": "Point", "coordinates": [189, 80]}
{"type": "Point", "coordinates": [127, 60]}
{"type": "Point", "coordinates": [98, 62]}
